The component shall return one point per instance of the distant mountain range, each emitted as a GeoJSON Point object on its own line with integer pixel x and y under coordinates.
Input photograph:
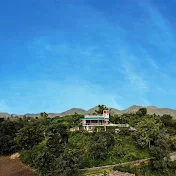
{"type": "Point", "coordinates": [150, 110]}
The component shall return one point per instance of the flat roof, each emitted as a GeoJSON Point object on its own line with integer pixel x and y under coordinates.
{"type": "Point", "coordinates": [93, 118]}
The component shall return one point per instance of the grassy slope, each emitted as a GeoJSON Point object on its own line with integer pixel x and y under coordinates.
{"type": "Point", "coordinates": [124, 150]}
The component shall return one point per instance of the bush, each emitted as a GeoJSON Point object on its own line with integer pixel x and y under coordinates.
{"type": "Point", "coordinates": [173, 143]}
{"type": "Point", "coordinates": [136, 169]}
{"type": "Point", "coordinates": [44, 163]}
{"type": "Point", "coordinates": [8, 130]}
{"type": "Point", "coordinates": [67, 164]}
{"type": "Point", "coordinates": [173, 165]}
{"type": "Point", "coordinates": [28, 156]}
{"type": "Point", "coordinates": [131, 156]}
{"type": "Point", "coordinates": [124, 132]}
{"type": "Point", "coordinates": [100, 144]}
{"type": "Point", "coordinates": [125, 168]}
{"type": "Point", "coordinates": [30, 135]}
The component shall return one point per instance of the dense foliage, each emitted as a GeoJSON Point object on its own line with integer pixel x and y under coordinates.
{"type": "Point", "coordinates": [145, 168]}
{"type": "Point", "coordinates": [8, 130]}
{"type": "Point", "coordinates": [47, 144]}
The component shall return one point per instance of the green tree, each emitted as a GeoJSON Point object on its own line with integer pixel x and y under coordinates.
{"type": "Point", "coordinates": [56, 144]}
{"type": "Point", "coordinates": [173, 142]}
{"type": "Point", "coordinates": [100, 109]}
{"type": "Point", "coordinates": [30, 135]}
{"type": "Point", "coordinates": [160, 152]}
{"type": "Point", "coordinates": [100, 144]}
{"type": "Point", "coordinates": [57, 159]}
{"type": "Point", "coordinates": [8, 130]}
{"type": "Point", "coordinates": [57, 139]}
{"type": "Point", "coordinates": [1, 120]}
{"type": "Point", "coordinates": [75, 121]}
{"type": "Point", "coordinates": [145, 132]}
{"type": "Point", "coordinates": [43, 114]}
{"type": "Point", "coordinates": [28, 156]}
{"type": "Point", "coordinates": [167, 120]}
{"type": "Point", "coordinates": [44, 163]}
{"type": "Point", "coordinates": [68, 163]}
{"type": "Point", "coordinates": [142, 112]}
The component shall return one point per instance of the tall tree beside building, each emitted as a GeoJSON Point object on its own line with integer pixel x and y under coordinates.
{"type": "Point", "coordinates": [100, 109]}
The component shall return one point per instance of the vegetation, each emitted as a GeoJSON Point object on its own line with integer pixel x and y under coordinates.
{"type": "Point", "coordinates": [101, 108]}
{"type": "Point", "coordinates": [145, 168]}
{"type": "Point", "coordinates": [47, 144]}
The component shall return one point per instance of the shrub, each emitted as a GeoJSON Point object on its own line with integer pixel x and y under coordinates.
{"type": "Point", "coordinates": [131, 156]}
{"type": "Point", "coordinates": [124, 132]}
{"type": "Point", "coordinates": [28, 136]}
{"type": "Point", "coordinates": [125, 168]}
{"type": "Point", "coordinates": [28, 156]}
{"type": "Point", "coordinates": [173, 165]}
{"type": "Point", "coordinates": [100, 144]}
{"type": "Point", "coordinates": [173, 143]}
{"type": "Point", "coordinates": [8, 130]}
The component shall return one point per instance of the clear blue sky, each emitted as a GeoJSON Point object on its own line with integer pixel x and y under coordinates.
{"type": "Point", "coordinates": [60, 54]}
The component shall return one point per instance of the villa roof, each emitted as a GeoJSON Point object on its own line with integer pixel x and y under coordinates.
{"type": "Point", "coordinates": [93, 118]}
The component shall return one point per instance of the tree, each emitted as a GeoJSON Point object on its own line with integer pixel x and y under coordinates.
{"type": "Point", "coordinates": [142, 112]}
{"type": "Point", "coordinates": [67, 164]}
{"type": "Point", "coordinates": [145, 132]}
{"type": "Point", "coordinates": [100, 109]}
{"type": "Point", "coordinates": [57, 139]}
{"type": "Point", "coordinates": [1, 120]}
{"type": "Point", "coordinates": [118, 119]}
{"type": "Point", "coordinates": [43, 114]}
{"type": "Point", "coordinates": [113, 118]}
{"type": "Point", "coordinates": [173, 143]}
{"type": "Point", "coordinates": [8, 130]}
{"type": "Point", "coordinates": [30, 135]}
{"type": "Point", "coordinates": [28, 156]}
{"type": "Point", "coordinates": [100, 144]}
{"type": "Point", "coordinates": [160, 152]}
{"type": "Point", "coordinates": [56, 144]}
{"type": "Point", "coordinates": [44, 163]}
{"type": "Point", "coordinates": [57, 159]}
{"type": "Point", "coordinates": [167, 120]}
{"type": "Point", "coordinates": [75, 121]}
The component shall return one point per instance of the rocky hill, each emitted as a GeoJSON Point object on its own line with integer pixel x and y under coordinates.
{"type": "Point", "coordinates": [132, 109]}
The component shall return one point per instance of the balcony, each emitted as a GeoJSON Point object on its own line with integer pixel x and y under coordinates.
{"type": "Point", "coordinates": [94, 124]}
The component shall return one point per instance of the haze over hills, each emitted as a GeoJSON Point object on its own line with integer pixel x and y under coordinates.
{"type": "Point", "coordinates": [132, 109]}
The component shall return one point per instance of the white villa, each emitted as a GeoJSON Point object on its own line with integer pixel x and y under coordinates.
{"type": "Point", "coordinates": [89, 122]}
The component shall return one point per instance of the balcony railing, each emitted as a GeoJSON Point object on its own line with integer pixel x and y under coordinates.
{"type": "Point", "coordinates": [93, 124]}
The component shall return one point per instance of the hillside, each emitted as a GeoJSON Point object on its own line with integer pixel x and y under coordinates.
{"type": "Point", "coordinates": [132, 109]}
{"type": "Point", "coordinates": [13, 167]}
{"type": "Point", "coordinates": [73, 111]}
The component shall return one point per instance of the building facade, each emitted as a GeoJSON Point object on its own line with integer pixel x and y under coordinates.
{"type": "Point", "coordinates": [89, 122]}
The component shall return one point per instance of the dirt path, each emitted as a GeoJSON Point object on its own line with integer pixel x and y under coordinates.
{"type": "Point", "coordinates": [13, 167]}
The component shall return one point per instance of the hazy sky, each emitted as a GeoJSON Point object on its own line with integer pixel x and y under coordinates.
{"type": "Point", "coordinates": [60, 54]}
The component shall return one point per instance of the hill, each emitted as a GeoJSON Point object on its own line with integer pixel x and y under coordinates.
{"type": "Point", "coordinates": [132, 109]}
{"type": "Point", "coordinates": [73, 111]}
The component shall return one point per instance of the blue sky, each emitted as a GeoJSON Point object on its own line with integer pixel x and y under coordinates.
{"type": "Point", "coordinates": [60, 54]}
